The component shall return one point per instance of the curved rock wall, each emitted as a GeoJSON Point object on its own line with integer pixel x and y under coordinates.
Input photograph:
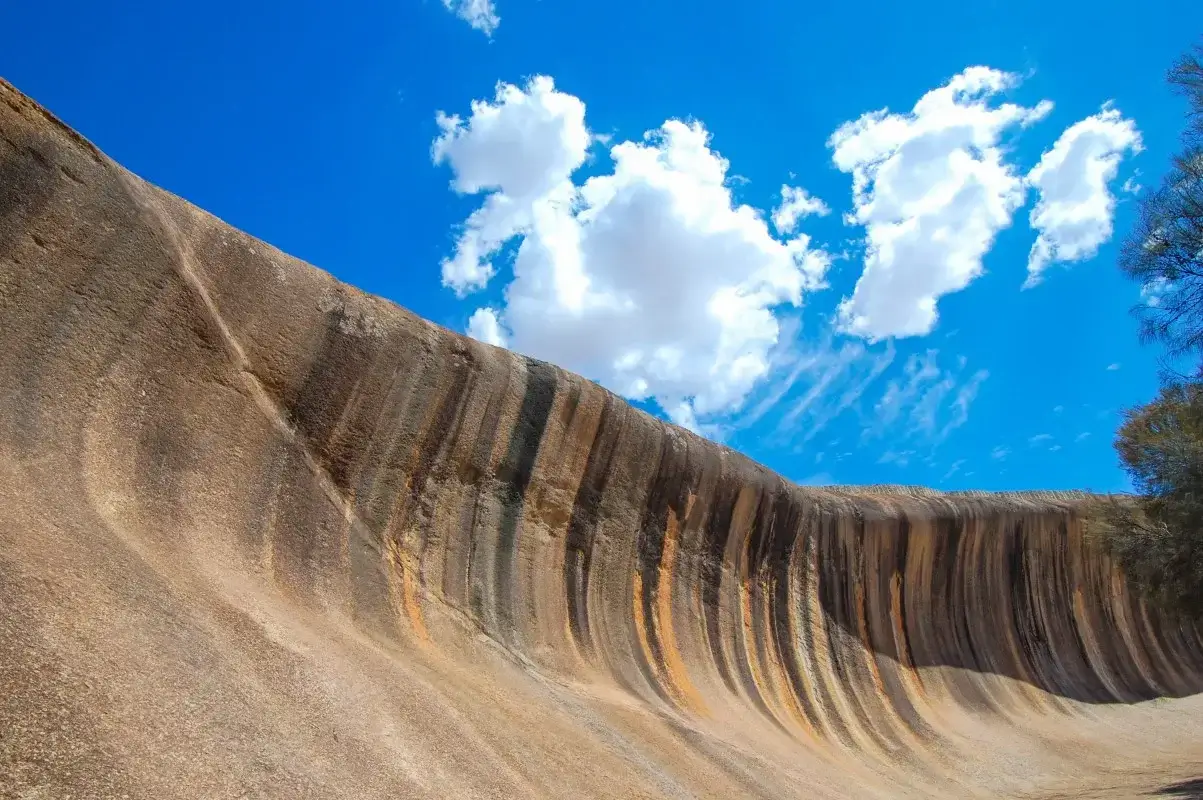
{"type": "Point", "coordinates": [265, 534]}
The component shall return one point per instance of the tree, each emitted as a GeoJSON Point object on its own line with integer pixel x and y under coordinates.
{"type": "Point", "coordinates": [1157, 537]}
{"type": "Point", "coordinates": [1164, 252]}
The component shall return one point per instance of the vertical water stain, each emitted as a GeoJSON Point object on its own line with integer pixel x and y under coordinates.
{"type": "Point", "coordinates": [675, 478]}
{"type": "Point", "coordinates": [582, 527]}
{"type": "Point", "coordinates": [716, 533]}
{"type": "Point", "coordinates": [514, 477]}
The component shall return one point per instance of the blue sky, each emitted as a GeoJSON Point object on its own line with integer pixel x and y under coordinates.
{"type": "Point", "coordinates": [884, 337]}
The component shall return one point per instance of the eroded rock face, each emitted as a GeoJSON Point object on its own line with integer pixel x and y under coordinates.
{"type": "Point", "coordinates": [264, 535]}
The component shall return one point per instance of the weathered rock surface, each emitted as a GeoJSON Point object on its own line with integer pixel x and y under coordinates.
{"type": "Point", "coordinates": [263, 535]}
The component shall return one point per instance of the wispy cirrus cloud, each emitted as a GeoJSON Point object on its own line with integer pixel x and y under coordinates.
{"type": "Point", "coordinates": [927, 402]}
{"type": "Point", "coordinates": [897, 458]}
{"type": "Point", "coordinates": [954, 468]}
{"type": "Point", "coordinates": [903, 411]}
{"type": "Point", "coordinates": [964, 399]}
{"type": "Point", "coordinates": [816, 385]}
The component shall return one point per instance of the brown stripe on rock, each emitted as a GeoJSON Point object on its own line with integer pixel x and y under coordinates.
{"type": "Point", "coordinates": [788, 630]}
{"type": "Point", "coordinates": [717, 530]}
{"type": "Point", "coordinates": [514, 478]}
{"type": "Point", "coordinates": [578, 558]}
{"type": "Point", "coordinates": [673, 481]}
{"type": "Point", "coordinates": [342, 360]}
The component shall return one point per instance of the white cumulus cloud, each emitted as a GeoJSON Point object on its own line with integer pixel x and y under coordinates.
{"type": "Point", "coordinates": [649, 278]}
{"type": "Point", "coordinates": [796, 203]}
{"type": "Point", "coordinates": [1074, 214]}
{"type": "Point", "coordinates": [932, 190]}
{"type": "Point", "coordinates": [483, 326]}
{"type": "Point", "coordinates": [520, 150]}
{"type": "Point", "coordinates": [480, 14]}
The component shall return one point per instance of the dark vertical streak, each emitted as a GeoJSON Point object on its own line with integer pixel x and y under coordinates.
{"type": "Point", "coordinates": [830, 573]}
{"type": "Point", "coordinates": [674, 477]}
{"type": "Point", "coordinates": [315, 406]}
{"type": "Point", "coordinates": [758, 545]}
{"type": "Point", "coordinates": [717, 530]}
{"type": "Point", "coordinates": [883, 627]}
{"type": "Point", "coordinates": [514, 477]}
{"type": "Point", "coordinates": [849, 650]}
{"type": "Point", "coordinates": [439, 437]}
{"type": "Point", "coordinates": [582, 527]}
{"type": "Point", "coordinates": [471, 474]}
{"type": "Point", "coordinates": [801, 542]}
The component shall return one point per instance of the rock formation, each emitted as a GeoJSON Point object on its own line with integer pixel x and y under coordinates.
{"type": "Point", "coordinates": [263, 535]}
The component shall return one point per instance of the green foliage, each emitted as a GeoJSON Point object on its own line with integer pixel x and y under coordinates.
{"type": "Point", "coordinates": [1164, 251]}
{"type": "Point", "coordinates": [1157, 537]}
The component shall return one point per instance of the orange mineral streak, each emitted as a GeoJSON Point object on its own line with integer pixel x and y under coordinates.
{"type": "Point", "coordinates": [409, 589]}
{"type": "Point", "coordinates": [675, 672]}
{"type": "Point", "coordinates": [641, 625]}
{"type": "Point", "coordinates": [264, 535]}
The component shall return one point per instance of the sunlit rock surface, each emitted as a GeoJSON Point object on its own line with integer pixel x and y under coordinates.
{"type": "Point", "coordinates": [263, 535]}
